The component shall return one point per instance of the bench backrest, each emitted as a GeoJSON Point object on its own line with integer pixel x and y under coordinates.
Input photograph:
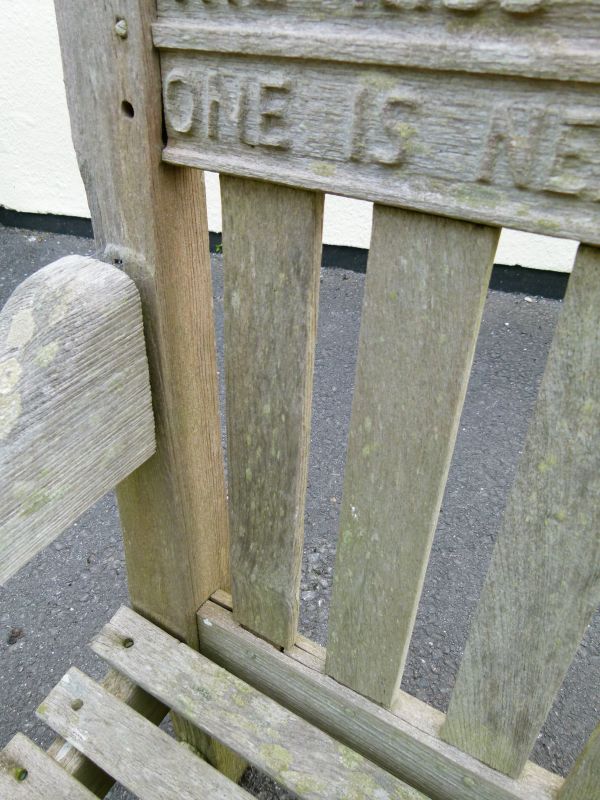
{"type": "Point", "coordinates": [455, 117]}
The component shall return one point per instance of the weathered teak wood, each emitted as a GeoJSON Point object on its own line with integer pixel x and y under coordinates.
{"type": "Point", "coordinates": [583, 782]}
{"type": "Point", "coordinates": [544, 581]}
{"type": "Point", "coordinates": [545, 38]}
{"type": "Point", "coordinates": [426, 285]}
{"type": "Point", "coordinates": [28, 773]}
{"type": "Point", "coordinates": [76, 764]}
{"type": "Point", "coordinates": [135, 752]}
{"type": "Point", "coordinates": [299, 756]}
{"type": "Point", "coordinates": [151, 218]}
{"type": "Point", "coordinates": [404, 741]}
{"type": "Point", "coordinates": [272, 258]}
{"type": "Point", "coordinates": [75, 405]}
{"type": "Point", "coordinates": [472, 109]}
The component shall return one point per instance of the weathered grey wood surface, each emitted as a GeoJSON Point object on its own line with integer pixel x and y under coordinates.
{"type": "Point", "coordinates": [544, 580]}
{"type": "Point", "coordinates": [28, 773]}
{"type": "Point", "coordinates": [427, 280]}
{"type": "Point", "coordinates": [76, 764]}
{"type": "Point", "coordinates": [404, 741]}
{"type": "Point", "coordinates": [152, 219]}
{"type": "Point", "coordinates": [296, 754]}
{"type": "Point", "coordinates": [583, 782]}
{"type": "Point", "coordinates": [336, 98]}
{"type": "Point", "coordinates": [140, 756]}
{"type": "Point", "coordinates": [75, 405]}
{"type": "Point", "coordinates": [272, 260]}
{"type": "Point", "coordinates": [540, 38]}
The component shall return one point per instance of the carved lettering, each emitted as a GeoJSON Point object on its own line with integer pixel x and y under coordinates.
{"type": "Point", "coordinates": [230, 107]}
{"type": "Point", "coordinates": [394, 108]}
{"type": "Point", "coordinates": [212, 103]}
{"type": "Point", "coordinates": [576, 166]}
{"type": "Point", "coordinates": [179, 102]}
{"type": "Point", "coordinates": [274, 96]}
{"type": "Point", "coordinates": [377, 117]}
{"type": "Point", "coordinates": [513, 134]}
{"type": "Point", "coordinates": [359, 120]}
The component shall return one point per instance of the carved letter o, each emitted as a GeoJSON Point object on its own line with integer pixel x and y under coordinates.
{"type": "Point", "coordinates": [180, 103]}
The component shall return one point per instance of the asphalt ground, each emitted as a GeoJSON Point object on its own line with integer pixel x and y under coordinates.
{"type": "Point", "coordinates": [51, 609]}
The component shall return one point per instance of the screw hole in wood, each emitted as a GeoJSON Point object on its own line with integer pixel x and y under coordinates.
{"type": "Point", "coordinates": [20, 773]}
{"type": "Point", "coordinates": [127, 109]}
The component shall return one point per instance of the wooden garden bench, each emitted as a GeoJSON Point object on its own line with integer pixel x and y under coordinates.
{"type": "Point", "coordinates": [455, 117]}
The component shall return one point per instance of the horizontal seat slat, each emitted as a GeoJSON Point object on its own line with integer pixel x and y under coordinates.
{"type": "Point", "coordinates": [543, 584]}
{"type": "Point", "coordinates": [272, 259]}
{"type": "Point", "coordinates": [426, 285]}
{"type": "Point", "coordinates": [80, 767]}
{"type": "Point", "coordinates": [404, 741]}
{"type": "Point", "coordinates": [28, 773]}
{"type": "Point", "coordinates": [135, 752]}
{"type": "Point", "coordinates": [296, 754]}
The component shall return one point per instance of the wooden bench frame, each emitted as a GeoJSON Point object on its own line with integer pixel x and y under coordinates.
{"type": "Point", "coordinates": [149, 217]}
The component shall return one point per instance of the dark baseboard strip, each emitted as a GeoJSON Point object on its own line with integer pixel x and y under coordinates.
{"type": "Point", "coordinates": [504, 278]}
{"type": "Point", "coordinates": [543, 283]}
{"type": "Point", "coordinates": [50, 223]}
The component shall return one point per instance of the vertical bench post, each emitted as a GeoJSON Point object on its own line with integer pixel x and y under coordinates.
{"type": "Point", "coordinates": [150, 218]}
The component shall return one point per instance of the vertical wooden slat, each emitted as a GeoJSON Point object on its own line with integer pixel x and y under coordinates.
{"type": "Point", "coordinates": [426, 284]}
{"type": "Point", "coordinates": [272, 255]}
{"type": "Point", "coordinates": [150, 219]}
{"type": "Point", "coordinates": [583, 781]}
{"type": "Point", "coordinates": [544, 580]}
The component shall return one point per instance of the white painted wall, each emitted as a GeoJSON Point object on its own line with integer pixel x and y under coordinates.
{"type": "Point", "coordinates": [38, 170]}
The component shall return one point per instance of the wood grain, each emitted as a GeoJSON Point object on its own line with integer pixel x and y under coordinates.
{"type": "Point", "coordinates": [81, 768]}
{"type": "Point", "coordinates": [148, 762]}
{"type": "Point", "coordinates": [404, 741]}
{"type": "Point", "coordinates": [151, 218]}
{"type": "Point", "coordinates": [297, 755]}
{"type": "Point", "coordinates": [487, 148]}
{"type": "Point", "coordinates": [272, 258]}
{"type": "Point", "coordinates": [540, 38]}
{"type": "Point", "coordinates": [544, 580]}
{"type": "Point", "coordinates": [75, 405]}
{"type": "Point", "coordinates": [426, 284]}
{"type": "Point", "coordinates": [28, 773]}
{"type": "Point", "coordinates": [583, 781]}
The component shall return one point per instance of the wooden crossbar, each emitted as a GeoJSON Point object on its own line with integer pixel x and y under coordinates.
{"type": "Point", "coordinates": [299, 756]}
{"type": "Point", "coordinates": [471, 109]}
{"type": "Point", "coordinates": [405, 740]}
